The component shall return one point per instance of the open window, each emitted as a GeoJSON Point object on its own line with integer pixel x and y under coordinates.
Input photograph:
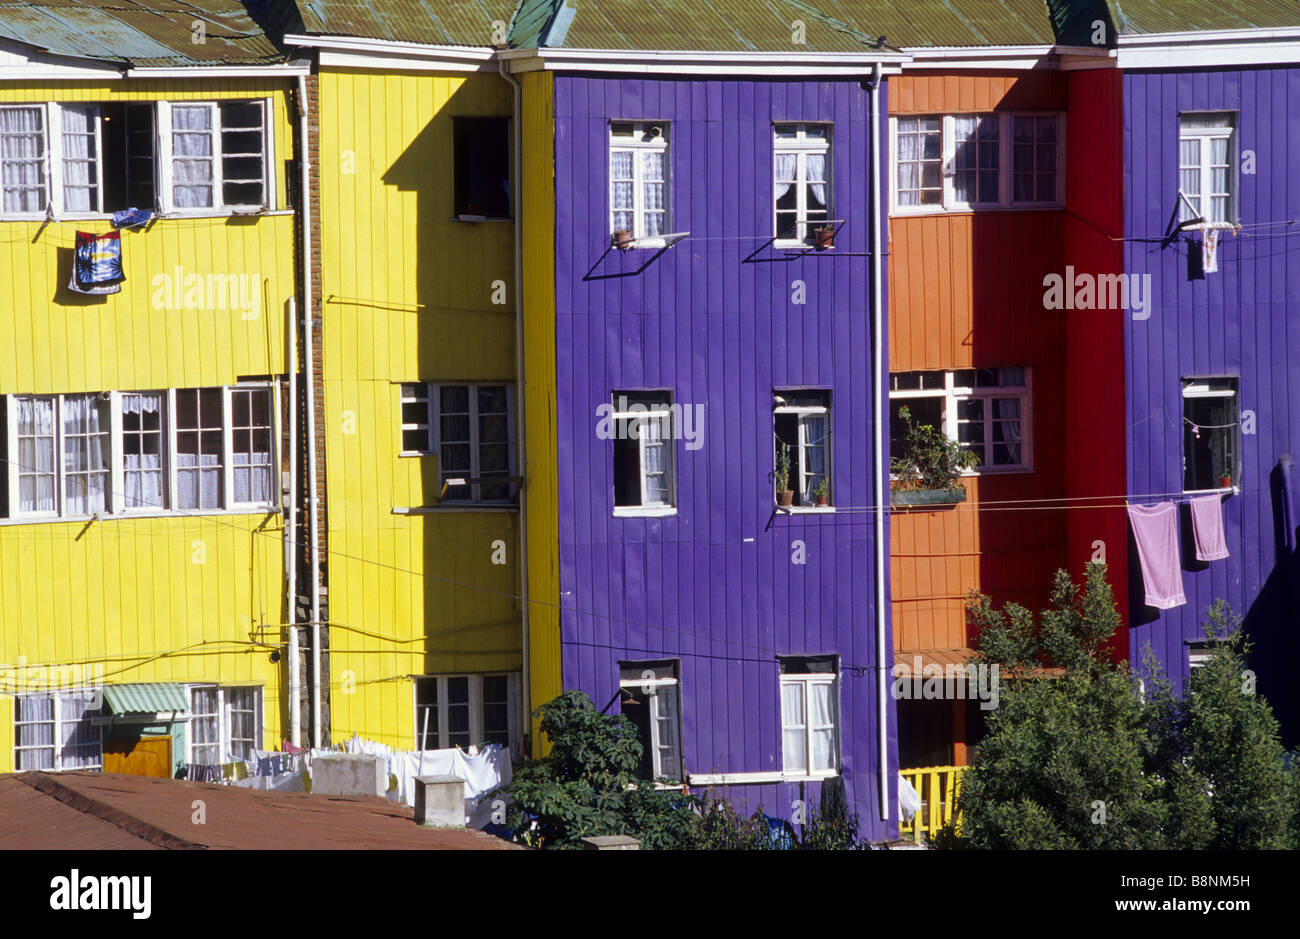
{"type": "Point", "coordinates": [1211, 433]}
{"type": "Point", "coordinates": [481, 171]}
{"type": "Point", "coordinates": [802, 423]}
{"type": "Point", "coordinates": [644, 459]}
{"type": "Point", "coordinates": [649, 692]}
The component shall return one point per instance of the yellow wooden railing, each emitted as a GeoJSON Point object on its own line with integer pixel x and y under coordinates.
{"type": "Point", "coordinates": [938, 787]}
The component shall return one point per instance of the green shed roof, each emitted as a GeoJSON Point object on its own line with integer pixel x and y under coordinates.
{"type": "Point", "coordinates": [146, 698]}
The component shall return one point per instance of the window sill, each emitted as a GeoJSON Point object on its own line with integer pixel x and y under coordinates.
{"type": "Point", "coordinates": [1217, 491]}
{"type": "Point", "coordinates": [806, 509]}
{"type": "Point", "coordinates": [454, 507]}
{"type": "Point", "coordinates": [128, 516]}
{"type": "Point", "coordinates": [644, 511]}
{"type": "Point", "coordinates": [753, 779]}
{"type": "Point", "coordinates": [474, 219]}
{"type": "Point", "coordinates": [901, 211]}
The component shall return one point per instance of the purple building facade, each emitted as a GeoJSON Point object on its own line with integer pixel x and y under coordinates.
{"type": "Point", "coordinates": [1213, 372]}
{"type": "Point", "coordinates": [740, 637]}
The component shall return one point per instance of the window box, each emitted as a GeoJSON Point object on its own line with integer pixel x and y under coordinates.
{"type": "Point", "coordinates": [927, 496]}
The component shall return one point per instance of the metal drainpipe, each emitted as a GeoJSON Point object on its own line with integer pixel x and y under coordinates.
{"type": "Point", "coordinates": [291, 532]}
{"type": "Point", "coordinates": [520, 385]}
{"type": "Point", "coordinates": [309, 378]}
{"type": "Point", "coordinates": [878, 467]}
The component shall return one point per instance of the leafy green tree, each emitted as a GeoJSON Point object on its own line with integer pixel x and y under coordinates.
{"type": "Point", "coordinates": [1062, 764]}
{"type": "Point", "coordinates": [586, 785]}
{"type": "Point", "coordinates": [1216, 750]}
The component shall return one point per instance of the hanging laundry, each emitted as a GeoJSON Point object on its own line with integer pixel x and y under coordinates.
{"type": "Point", "coordinates": [1207, 528]}
{"type": "Point", "coordinates": [1210, 251]}
{"type": "Point", "coordinates": [1155, 531]}
{"type": "Point", "coordinates": [97, 263]}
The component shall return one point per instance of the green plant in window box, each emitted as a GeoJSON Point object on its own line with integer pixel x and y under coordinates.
{"type": "Point", "coordinates": [821, 492]}
{"type": "Point", "coordinates": [784, 494]}
{"type": "Point", "coordinates": [1225, 476]}
{"type": "Point", "coordinates": [930, 463]}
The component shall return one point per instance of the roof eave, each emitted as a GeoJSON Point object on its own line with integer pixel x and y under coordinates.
{"type": "Point", "coordinates": [710, 62]}
{"type": "Point", "coordinates": [1209, 48]}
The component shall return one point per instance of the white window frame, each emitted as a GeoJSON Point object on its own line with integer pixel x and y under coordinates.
{"type": "Point", "coordinates": [476, 729]}
{"type": "Point", "coordinates": [1200, 388]}
{"type": "Point", "coordinates": [52, 129]}
{"type": "Point", "coordinates": [56, 744]}
{"type": "Point", "coordinates": [636, 146]}
{"type": "Point", "coordinates": [802, 146]}
{"type": "Point", "coordinates": [948, 164]}
{"type": "Point", "coordinates": [799, 468]}
{"type": "Point", "coordinates": [116, 496]}
{"type": "Point", "coordinates": [806, 683]}
{"type": "Point", "coordinates": [1205, 136]}
{"type": "Point", "coordinates": [951, 394]}
{"type": "Point", "coordinates": [46, 110]}
{"type": "Point", "coordinates": [432, 426]}
{"type": "Point", "coordinates": [224, 719]}
{"type": "Point", "coordinates": [664, 414]}
{"type": "Point", "coordinates": [653, 688]}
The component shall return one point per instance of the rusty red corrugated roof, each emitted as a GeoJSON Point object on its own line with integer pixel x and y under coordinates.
{"type": "Point", "coordinates": [113, 810]}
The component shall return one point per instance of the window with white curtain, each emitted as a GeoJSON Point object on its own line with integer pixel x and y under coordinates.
{"type": "Point", "coordinates": [250, 449]}
{"type": "Point", "coordinates": [801, 175]}
{"type": "Point", "coordinates": [466, 710]}
{"type": "Point", "coordinates": [96, 158]}
{"type": "Point", "coordinates": [644, 452]}
{"type": "Point", "coordinates": [76, 456]}
{"type": "Point", "coordinates": [639, 179]}
{"type": "Point", "coordinates": [470, 426]}
{"type": "Point", "coordinates": [23, 169]}
{"type": "Point", "coordinates": [56, 731]}
{"type": "Point", "coordinates": [986, 410]}
{"type": "Point", "coordinates": [200, 448]}
{"type": "Point", "coordinates": [1205, 166]}
{"type": "Point", "coordinates": [225, 723]}
{"type": "Point", "coordinates": [650, 699]}
{"type": "Point", "coordinates": [802, 424]}
{"type": "Point", "coordinates": [994, 159]}
{"type": "Point", "coordinates": [143, 447]}
{"type": "Point", "coordinates": [810, 715]}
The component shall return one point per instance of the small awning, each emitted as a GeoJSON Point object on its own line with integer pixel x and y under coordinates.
{"type": "Point", "coordinates": [146, 698]}
{"type": "Point", "coordinates": [939, 657]}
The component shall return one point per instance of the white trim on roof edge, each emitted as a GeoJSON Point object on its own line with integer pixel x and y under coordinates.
{"type": "Point", "coordinates": [703, 63]}
{"type": "Point", "coordinates": [284, 70]}
{"type": "Point", "coordinates": [1210, 49]}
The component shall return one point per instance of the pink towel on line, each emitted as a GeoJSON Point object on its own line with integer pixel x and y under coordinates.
{"type": "Point", "coordinates": [1207, 526]}
{"type": "Point", "coordinates": [1155, 530]}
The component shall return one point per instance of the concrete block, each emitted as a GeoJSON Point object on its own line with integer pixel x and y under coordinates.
{"type": "Point", "coordinates": [440, 801]}
{"type": "Point", "coordinates": [349, 774]}
{"type": "Point", "coordinates": [611, 843]}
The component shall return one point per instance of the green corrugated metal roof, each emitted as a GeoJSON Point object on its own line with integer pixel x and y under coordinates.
{"type": "Point", "coordinates": [1133, 17]}
{"type": "Point", "coordinates": [433, 22]}
{"type": "Point", "coordinates": [146, 698]}
{"type": "Point", "coordinates": [139, 32]}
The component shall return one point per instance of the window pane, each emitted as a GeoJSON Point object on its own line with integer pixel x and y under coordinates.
{"type": "Point", "coordinates": [22, 159]}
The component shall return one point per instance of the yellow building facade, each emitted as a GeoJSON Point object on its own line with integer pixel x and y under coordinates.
{"type": "Point", "coordinates": [142, 536]}
{"type": "Point", "coordinates": [418, 367]}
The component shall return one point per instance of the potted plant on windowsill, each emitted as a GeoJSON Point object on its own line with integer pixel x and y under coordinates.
{"type": "Point", "coordinates": [823, 237]}
{"type": "Point", "coordinates": [821, 492]}
{"type": "Point", "coordinates": [930, 470]}
{"type": "Point", "coordinates": [1225, 478]}
{"type": "Point", "coordinates": [621, 239]}
{"type": "Point", "coordinates": [784, 494]}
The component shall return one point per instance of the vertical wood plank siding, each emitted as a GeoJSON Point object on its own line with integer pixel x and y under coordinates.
{"type": "Point", "coordinates": [966, 291]}
{"type": "Point", "coordinates": [176, 599]}
{"type": "Point", "coordinates": [407, 296]}
{"type": "Point", "coordinates": [1242, 321]}
{"type": "Point", "coordinates": [714, 319]}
